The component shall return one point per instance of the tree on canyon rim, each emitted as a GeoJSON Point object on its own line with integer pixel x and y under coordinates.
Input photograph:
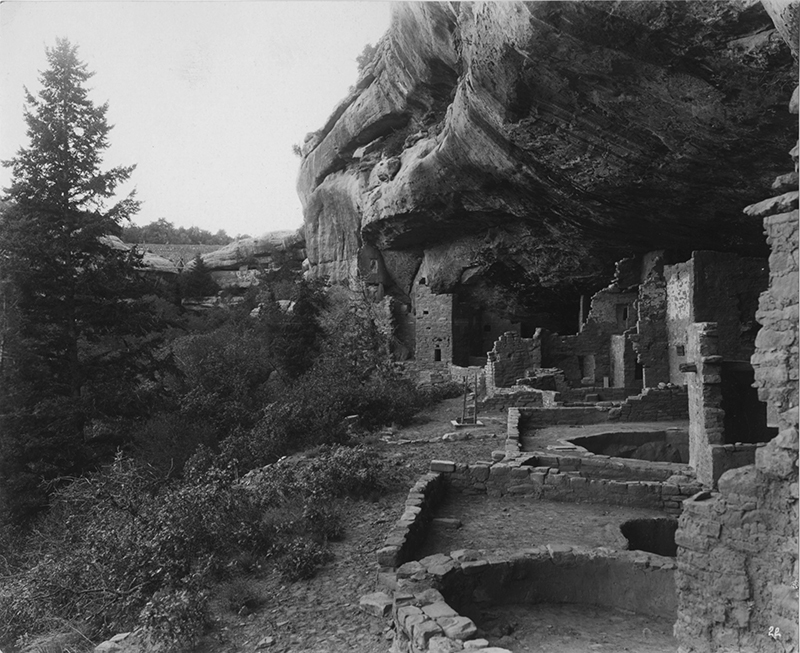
{"type": "Point", "coordinates": [73, 354]}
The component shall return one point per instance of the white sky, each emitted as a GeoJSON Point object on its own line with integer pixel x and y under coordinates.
{"type": "Point", "coordinates": [207, 98]}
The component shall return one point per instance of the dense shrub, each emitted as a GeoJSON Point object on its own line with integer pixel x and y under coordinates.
{"type": "Point", "coordinates": [323, 520]}
{"type": "Point", "coordinates": [165, 442]}
{"type": "Point", "coordinates": [175, 618]}
{"type": "Point", "coordinates": [225, 374]}
{"type": "Point", "coordinates": [114, 544]}
{"type": "Point", "coordinates": [303, 559]}
{"type": "Point", "coordinates": [333, 472]}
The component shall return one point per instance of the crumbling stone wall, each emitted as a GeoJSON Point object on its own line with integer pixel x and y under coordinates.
{"type": "Point", "coordinates": [711, 451]}
{"type": "Point", "coordinates": [738, 548]}
{"type": "Point", "coordinates": [582, 479]}
{"type": "Point", "coordinates": [776, 357]}
{"type": "Point", "coordinates": [728, 287]}
{"type": "Point", "coordinates": [623, 362]}
{"type": "Point", "coordinates": [706, 417]}
{"type": "Point", "coordinates": [713, 287]}
{"type": "Point", "coordinates": [650, 340]}
{"type": "Point", "coordinates": [511, 358]}
{"type": "Point", "coordinates": [586, 356]}
{"type": "Point", "coordinates": [680, 314]}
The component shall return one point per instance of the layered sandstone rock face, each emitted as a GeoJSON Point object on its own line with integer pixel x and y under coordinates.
{"type": "Point", "coordinates": [236, 265]}
{"type": "Point", "coordinates": [567, 133]}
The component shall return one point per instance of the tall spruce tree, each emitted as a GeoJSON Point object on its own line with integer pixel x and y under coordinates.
{"type": "Point", "coordinates": [72, 355]}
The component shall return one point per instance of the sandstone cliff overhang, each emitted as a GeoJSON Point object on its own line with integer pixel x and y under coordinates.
{"type": "Point", "coordinates": [635, 125]}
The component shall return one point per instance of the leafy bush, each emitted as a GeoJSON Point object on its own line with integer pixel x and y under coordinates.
{"type": "Point", "coordinates": [165, 442]}
{"type": "Point", "coordinates": [323, 520]}
{"type": "Point", "coordinates": [116, 543]}
{"type": "Point", "coordinates": [334, 472]}
{"type": "Point", "coordinates": [225, 374]}
{"type": "Point", "coordinates": [241, 596]}
{"type": "Point", "coordinates": [175, 618]}
{"type": "Point", "coordinates": [303, 560]}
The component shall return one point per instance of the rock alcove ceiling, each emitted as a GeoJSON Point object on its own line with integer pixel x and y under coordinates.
{"type": "Point", "coordinates": [572, 132]}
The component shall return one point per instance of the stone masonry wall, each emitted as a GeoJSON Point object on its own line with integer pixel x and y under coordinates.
{"type": "Point", "coordinates": [737, 573]}
{"type": "Point", "coordinates": [680, 314]}
{"type": "Point", "coordinates": [430, 593]}
{"type": "Point", "coordinates": [433, 329]}
{"type": "Point", "coordinates": [726, 292]}
{"type": "Point", "coordinates": [706, 421]}
{"type": "Point", "coordinates": [567, 482]}
{"type": "Point", "coordinates": [666, 403]}
{"type": "Point", "coordinates": [713, 287]}
{"type": "Point", "coordinates": [511, 358]}
{"type": "Point", "coordinates": [612, 312]}
{"type": "Point", "coordinates": [650, 340]}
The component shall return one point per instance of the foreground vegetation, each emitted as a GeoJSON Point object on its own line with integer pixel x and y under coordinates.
{"type": "Point", "coordinates": [132, 432]}
{"type": "Point", "coordinates": [142, 539]}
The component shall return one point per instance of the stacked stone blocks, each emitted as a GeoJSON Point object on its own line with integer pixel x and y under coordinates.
{"type": "Point", "coordinates": [664, 403]}
{"type": "Point", "coordinates": [410, 530]}
{"type": "Point", "coordinates": [511, 358]}
{"type": "Point", "coordinates": [430, 594]}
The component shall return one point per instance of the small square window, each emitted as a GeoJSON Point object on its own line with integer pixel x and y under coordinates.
{"type": "Point", "coordinates": [680, 350]}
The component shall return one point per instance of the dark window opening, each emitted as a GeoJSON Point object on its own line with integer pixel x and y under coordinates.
{"type": "Point", "coordinates": [653, 535]}
{"type": "Point", "coordinates": [437, 354]}
{"type": "Point", "coordinates": [638, 372]}
{"type": "Point", "coordinates": [745, 416]}
{"type": "Point", "coordinates": [588, 366]}
{"type": "Point", "coordinates": [680, 350]}
{"type": "Point", "coordinates": [424, 312]}
{"type": "Point", "coordinates": [623, 313]}
{"type": "Point", "coordinates": [422, 281]}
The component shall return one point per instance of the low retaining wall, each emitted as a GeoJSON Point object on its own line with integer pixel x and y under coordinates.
{"type": "Point", "coordinates": [568, 484]}
{"type": "Point", "coordinates": [668, 403]}
{"type": "Point", "coordinates": [732, 456]}
{"type": "Point", "coordinates": [528, 398]}
{"type": "Point", "coordinates": [430, 594]}
{"type": "Point", "coordinates": [410, 530]}
{"type": "Point", "coordinates": [613, 469]}
{"type": "Point", "coordinates": [559, 479]}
